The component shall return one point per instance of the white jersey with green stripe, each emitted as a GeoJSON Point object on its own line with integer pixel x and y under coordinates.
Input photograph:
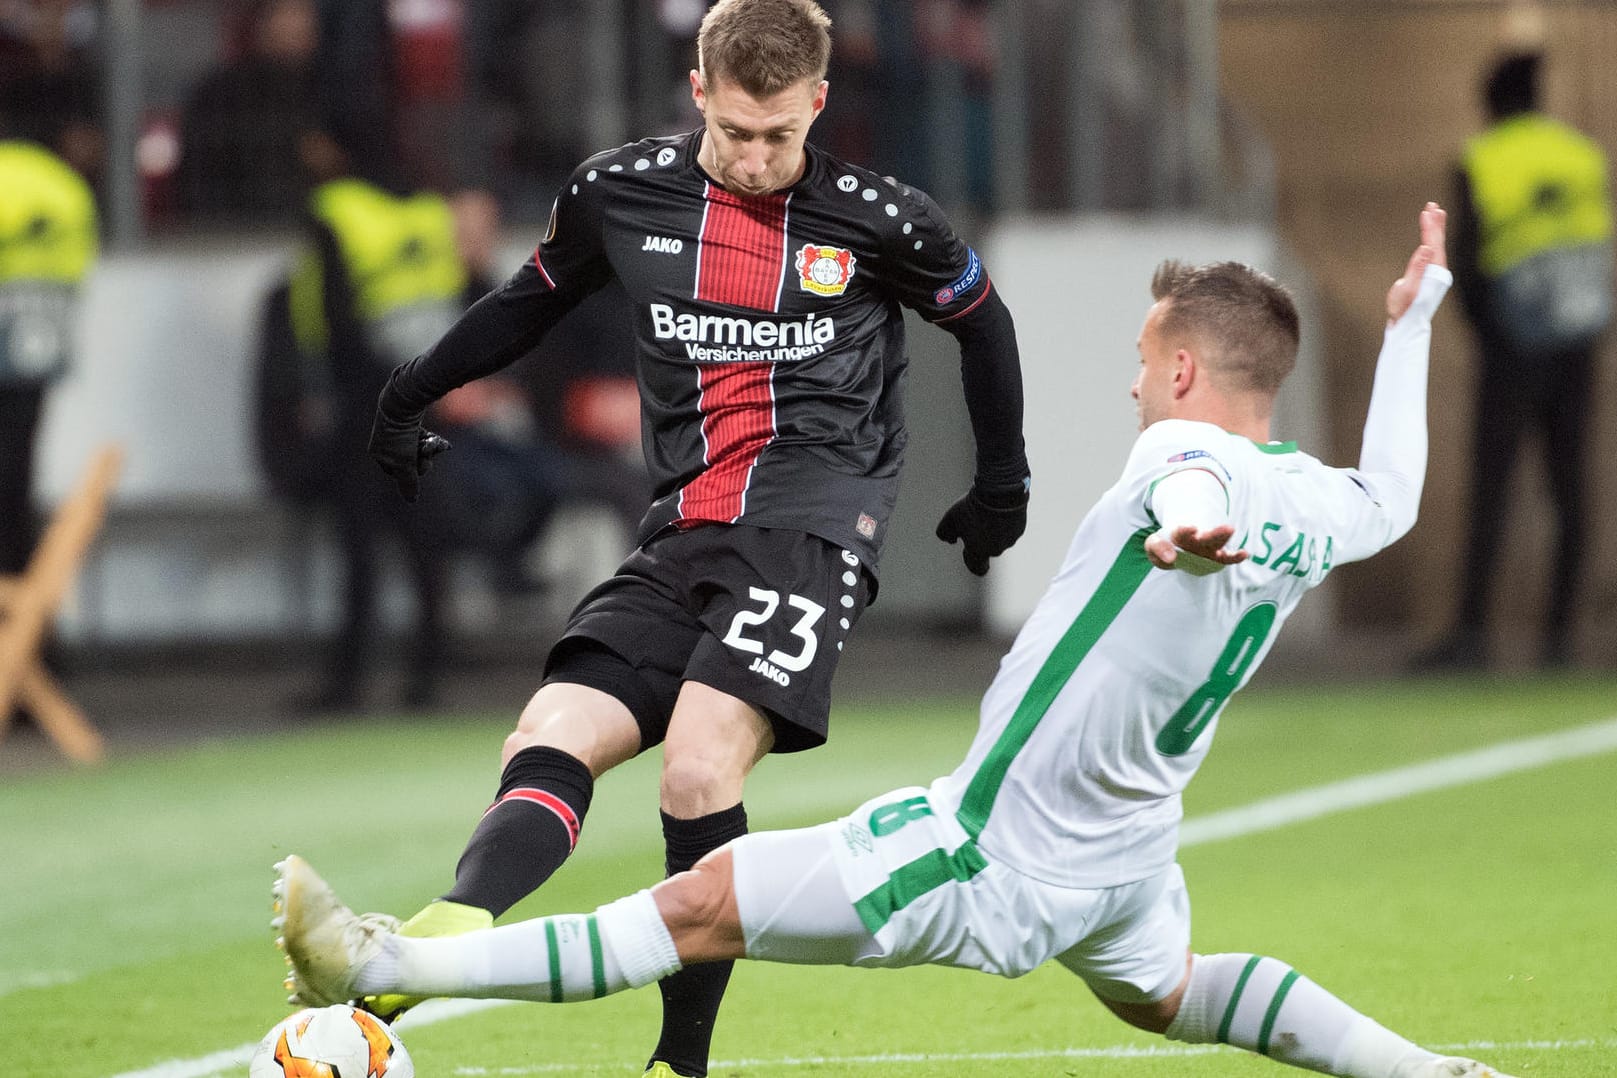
{"type": "Point", "coordinates": [1107, 702]}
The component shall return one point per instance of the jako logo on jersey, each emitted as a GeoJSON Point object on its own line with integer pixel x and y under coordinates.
{"type": "Point", "coordinates": [825, 271]}
{"type": "Point", "coordinates": [974, 269]}
{"type": "Point", "coordinates": [667, 245]}
{"type": "Point", "coordinates": [770, 671]}
{"type": "Point", "coordinates": [742, 340]}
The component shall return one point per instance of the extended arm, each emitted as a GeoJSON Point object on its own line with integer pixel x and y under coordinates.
{"type": "Point", "coordinates": [993, 514]}
{"type": "Point", "coordinates": [1392, 461]}
{"type": "Point", "coordinates": [569, 265]}
{"type": "Point", "coordinates": [497, 330]}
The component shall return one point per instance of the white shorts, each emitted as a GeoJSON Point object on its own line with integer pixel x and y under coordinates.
{"type": "Point", "coordinates": [896, 883]}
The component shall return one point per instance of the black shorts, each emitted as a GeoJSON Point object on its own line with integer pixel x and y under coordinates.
{"type": "Point", "coordinates": [758, 613]}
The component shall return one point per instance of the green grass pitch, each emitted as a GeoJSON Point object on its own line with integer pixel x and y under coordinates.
{"type": "Point", "coordinates": [134, 934]}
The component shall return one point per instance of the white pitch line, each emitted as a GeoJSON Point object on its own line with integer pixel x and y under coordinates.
{"type": "Point", "coordinates": [1363, 791]}
{"type": "Point", "coordinates": [26, 982]}
{"type": "Point", "coordinates": [1381, 787]}
{"type": "Point", "coordinates": [1120, 1051]}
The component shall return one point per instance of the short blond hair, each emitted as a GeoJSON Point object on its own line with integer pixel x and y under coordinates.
{"type": "Point", "coordinates": [764, 46]}
{"type": "Point", "coordinates": [1245, 318]}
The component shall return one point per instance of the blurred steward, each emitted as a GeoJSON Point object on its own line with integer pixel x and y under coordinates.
{"type": "Point", "coordinates": [1532, 228]}
{"type": "Point", "coordinates": [47, 246]}
{"type": "Point", "coordinates": [380, 279]}
{"type": "Point", "coordinates": [242, 122]}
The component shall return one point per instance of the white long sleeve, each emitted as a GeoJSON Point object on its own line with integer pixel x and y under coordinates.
{"type": "Point", "coordinates": [1392, 459]}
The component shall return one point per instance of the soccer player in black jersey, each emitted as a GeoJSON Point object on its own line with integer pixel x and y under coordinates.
{"type": "Point", "coordinates": [767, 279]}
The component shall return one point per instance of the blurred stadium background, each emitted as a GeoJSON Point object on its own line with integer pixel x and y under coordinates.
{"type": "Point", "coordinates": [1074, 142]}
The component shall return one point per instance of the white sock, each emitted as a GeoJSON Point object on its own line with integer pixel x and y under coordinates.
{"type": "Point", "coordinates": [1265, 1006]}
{"type": "Point", "coordinates": [558, 959]}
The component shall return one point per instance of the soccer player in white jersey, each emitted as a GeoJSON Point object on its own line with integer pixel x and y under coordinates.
{"type": "Point", "coordinates": [1056, 838]}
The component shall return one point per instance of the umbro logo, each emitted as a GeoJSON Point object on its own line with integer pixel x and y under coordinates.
{"type": "Point", "coordinates": [667, 245]}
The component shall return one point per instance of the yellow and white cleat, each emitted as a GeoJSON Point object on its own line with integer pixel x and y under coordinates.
{"type": "Point", "coordinates": [325, 942]}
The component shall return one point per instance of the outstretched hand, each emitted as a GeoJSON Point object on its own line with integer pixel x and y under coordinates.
{"type": "Point", "coordinates": [1194, 550]}
{"type": "Point", "coordinates": [1430, 253]}
{"type": "Point", "coordinates": [985, 528]}
{"type": "Point", "coordinates": [404, 451]}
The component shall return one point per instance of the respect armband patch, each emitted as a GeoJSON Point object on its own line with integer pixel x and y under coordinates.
{"type": "Point", "coordinates": [1200, 454]}
{"type": "Point", "coordinates": [966, 281]}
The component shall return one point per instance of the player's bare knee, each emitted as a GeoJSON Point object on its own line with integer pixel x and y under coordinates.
{"type": "Point", "coordinates": [699, 908]}
{"type": "Point", "coordinates": [694, 785]}
{"type": "Point", "coordinates": [1154, 1016]}
{"type": "Point", "coordinates": [1151, 1017]}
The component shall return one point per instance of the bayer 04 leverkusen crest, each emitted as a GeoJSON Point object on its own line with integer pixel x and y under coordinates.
{"type": "Point", "coordinates": [824, 271]}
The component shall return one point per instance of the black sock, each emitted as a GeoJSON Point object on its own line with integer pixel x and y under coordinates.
{"type": "Point", "coordinates": [691, 997]}
{"type": "Point", "coordinates": [527, 833]}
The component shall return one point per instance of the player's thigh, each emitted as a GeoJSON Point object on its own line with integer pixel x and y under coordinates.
{"type": "Point", "coordinates": [929, 896]}
{"type": "Point", "coordinates": [631, 639]}
{"type": "Point", "coordinates": [791, 901]}
{"type": "Point", "coordinates": [1135, 950]}
{"type": "Point", "coordinates": [777, 607]}
{"type": "Point", "coordinates": [896, 884]}
{"type": "Point", "coordinates": [587, 723]}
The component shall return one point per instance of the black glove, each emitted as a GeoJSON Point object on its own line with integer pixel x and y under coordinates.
{"type": "Point", "coordinates": [404, 450]}
{"type": "Point", "coordinates": [987, 522]}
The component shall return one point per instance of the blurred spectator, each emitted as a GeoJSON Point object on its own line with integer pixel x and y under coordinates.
{"type": "Point", "coordinates": [1532, 258]}
{"type": "Point", "coordinates": [856, 78]}
{"type": "Point", "coordinates": [47, 245]}
{"type": "Point", "coordinates": [381, 280]}
{"type": "Point", "coordinates": [437, 131]}
{"type": "Point", "coordinates": [242, 122]}
{"type": "Point", "coordinates": [528, 69]}
{"type": "Point", "coordinates": [958, 53]}
{"type": "Point", "coordinates": [49, 90]}
{"type": "Point", "coordinates": [355, 65]}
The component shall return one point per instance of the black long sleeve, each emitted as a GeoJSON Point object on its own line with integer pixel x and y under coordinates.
{"type": "Point", "coordinates": [496, 331]}
{"type": "Point", "coordinates": [991, 374]}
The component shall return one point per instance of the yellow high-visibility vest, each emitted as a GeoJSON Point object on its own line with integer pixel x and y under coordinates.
{"type": "Point", "coordinates": [47, 246]}
{"type": "Point", "coordinates": [399, 252]}
{"type": "Point", "coordinates": [1537, 185]}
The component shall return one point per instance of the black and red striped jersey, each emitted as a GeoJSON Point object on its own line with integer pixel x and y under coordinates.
{"type": "Point", "coordinates": [770, 339]}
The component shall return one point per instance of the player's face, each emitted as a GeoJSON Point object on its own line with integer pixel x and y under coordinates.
{"type": "Point", "coordinates": [1153, 385]}
{"type": "Point", "coordinates": [754, 146]}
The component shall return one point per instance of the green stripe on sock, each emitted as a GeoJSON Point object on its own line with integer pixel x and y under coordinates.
{"type": "Point", "coordinates": [1235, 999]}
{"type": "Point", "coordinates": [596, 962]}
{"type": "Point", "coordinates": [1274, 1011]}
{"type": "Point", "coordinates": [555, 960]}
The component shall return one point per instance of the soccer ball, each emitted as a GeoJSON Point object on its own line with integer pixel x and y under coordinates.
{"type": "Point", "coordinates": [331, 1042]}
